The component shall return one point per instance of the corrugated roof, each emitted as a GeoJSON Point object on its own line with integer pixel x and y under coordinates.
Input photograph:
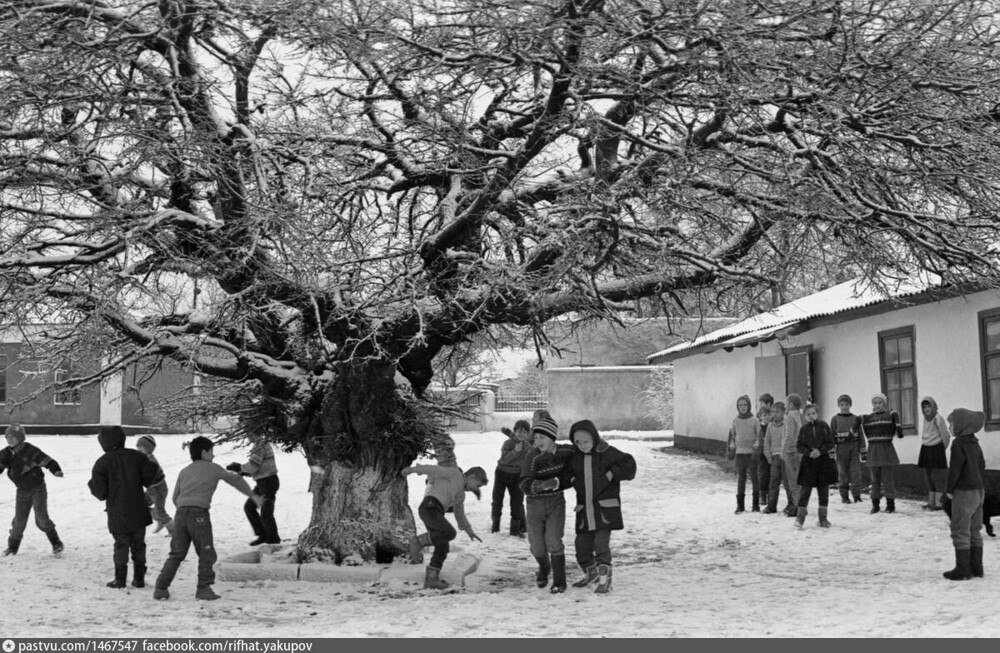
{"type": "Point", "coordinates": [843, 297]}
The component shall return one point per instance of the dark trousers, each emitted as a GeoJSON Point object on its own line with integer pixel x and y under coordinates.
{"type": "Point", "coordinates": [883, 479]}
{"type": "Point", "coordinates": [262, 522]}
{"type": "Point", "coordinates": [439, 529]}
{"type": "Point", "coordinates": [822, 493]}
{"type": "Point", "coordinates": [593, 548]}
{"type": "Point", "coordinates": [763, 475]}
{"type": "Point", "coordinates": [849, 466]}
{"type": "Point", "coordinates": [746, 465]}
{"type": "Point", "coordinates": [191, 526]}
{"type": "Point", "coordinates": [506, 483]}
{"type": "Point", "coordinates": [546, 523]}
{"type": "Point", "coordinates": [133, 542]}
{"type": "Point", "coordinates": [37, 499]}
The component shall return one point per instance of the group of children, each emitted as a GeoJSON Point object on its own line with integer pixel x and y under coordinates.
{"type": "Point", "coordinates": [545, 470]}
{"type": "Point", "coordinates": [133, 487]}
{"type": "Point", "coordinates": [786, 444]}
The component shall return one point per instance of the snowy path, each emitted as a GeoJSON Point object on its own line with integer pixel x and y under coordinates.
{"type": "Point", "coordinates": [685, 566]}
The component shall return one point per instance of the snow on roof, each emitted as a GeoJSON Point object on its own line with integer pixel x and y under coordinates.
{"type": "Point", "coordinates": [843, 297]}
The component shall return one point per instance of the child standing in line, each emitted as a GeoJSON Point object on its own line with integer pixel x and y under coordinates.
{"type": "Point", "coordinates": [966, 489]}
{"type": "Point", "coordinates": [878, 428]}
{"type": "Point", "coordinates": [445, 491]}
{"type": "Point", "coordinates": [847, 434]}
{"type": "Point", "coordinates": [24, 462]}
{"type": "Point", "coordinates": [790, 456]}
{"type": "Point", "coordinates": [745, 441]}
{"type": "Point", "coordinates": [507, 477]}
{"type": "Point", "coordinates": [546, 506]}
{"type": "Point", "coordinates": [765, 402]}
{"type": "Point", "coordinates": [118, 478]}
{"type": "Point", "coordinates": [156, 494]}
{"type": "Point", "coordinates": [772, 447]}
{"type": "Point", "coordinates": [817, 446]}
{"type": "Point", "coordinates": [193, 492]}
{"type": "Point", "coordinates": [595, 470]}
{"type": "Point", "coordinates": [933, 458]}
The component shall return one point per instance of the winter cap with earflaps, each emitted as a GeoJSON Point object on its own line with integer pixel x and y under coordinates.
{"type": "Point", "coordinates": [148, 439]}
{"type": "Point", "coordinates": [547, 427]}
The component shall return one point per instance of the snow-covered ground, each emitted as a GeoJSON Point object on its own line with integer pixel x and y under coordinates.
{"type": "Point", "coordinates": [685, 566]}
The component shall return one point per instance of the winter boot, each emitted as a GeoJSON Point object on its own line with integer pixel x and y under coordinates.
{"type": "Point", "coordinates": [417, 544]}
{"type": "Point", "coordinates": [544, 567]}
{"type": "Point", "coordinates": [740, 503]}
{"type": "Point", "coordinates": [558, 573]}
{"type": "Point", "coordinates": [57, 545]}
{"type": "Point", "coordinates": [516, 530]}
{"type": "Point", "coordinates": [800, 518]}
{"type": "Point", "coordinates": [495, 526]}
{"type": "Point", "coordinates": [432, 579]}
{"type": "Point", "coordinates": [875, 506]}
{"type": "Point", "coordinates": [603, 579]}
{"type": "Point", "coordinates": [161, 594]}
{"type": "Point", "coordinates": [590, 577]}
{"type": "Point", "coordinates": [857, 497]}
{"type": "Point", "coordinates": [930, 502]}
{"type": "Point", "coordinates": [844, 497]}
{"type": "Point", "coordinates": [936, 501]}
{"type": "Point", "coordinates": [139, 576]}
{"type": "Point", "coordinates": [823, 522]}
{"type": "Point", "coordinates": [976, 561]}
{"type": "Point", "coordinates": [791, 511]}
{"type": "Point", "coordinates": [12, 546]}
{"type": "Point", "coordinates": [963, 566]}
{"type": "Point", "coordinates": [120, 574]}
{"type": "Point", "coordinates": [890, 504]}
{"type": "Point", "coordinates": [206, 594]}
{"type": "Point", "coordinates": [756, 504]}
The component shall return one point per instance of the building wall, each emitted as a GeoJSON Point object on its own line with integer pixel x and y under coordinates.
{"type": "Point", "coordinates": [846, 360]}
{"type": "Point", "coordinates": [611, 397]}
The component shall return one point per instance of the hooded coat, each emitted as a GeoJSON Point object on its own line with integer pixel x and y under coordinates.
{"type": "Point", "coordinates": [119, 478]}
{"type": "Point", "coordinates": [967, 463]}
{"type": "Point", "coordinates": [598, 498]}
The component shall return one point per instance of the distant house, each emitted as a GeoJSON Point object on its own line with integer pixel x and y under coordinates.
{"type": "Point", "coordinates": [919, 339]}
{"type": "Point", "coordinates": [27, 394]}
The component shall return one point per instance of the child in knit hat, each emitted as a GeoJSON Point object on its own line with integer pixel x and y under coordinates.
{"type": "Point", "coordinates": [156, 495]}
{"type": "Point", "coordinates": [546, 507]}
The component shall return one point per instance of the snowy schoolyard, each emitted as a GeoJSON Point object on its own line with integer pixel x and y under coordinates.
{"type": "Point", "coordinates": [685, 566]}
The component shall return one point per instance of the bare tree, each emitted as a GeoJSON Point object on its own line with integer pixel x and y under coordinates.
{"type": "Point", "coordinates": [362, 184]}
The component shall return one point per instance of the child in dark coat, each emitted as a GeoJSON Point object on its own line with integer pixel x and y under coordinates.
{"type": "Point", "coordinates": [119, 478]}
{"type": "Point", "coordinates": [24, 462]}
{"type": "Point", "coordinates": [966, 490]}
{"type": "Point", "coordinates": [595, 471]}
{"type": "Point", "coordinates": [817, 470]}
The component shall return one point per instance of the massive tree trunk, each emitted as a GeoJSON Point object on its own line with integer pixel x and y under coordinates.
{"type": "Point", "coordinates": [364, 434]}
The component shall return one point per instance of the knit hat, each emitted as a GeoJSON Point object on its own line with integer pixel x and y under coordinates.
{"type": "Point", "coordinates": [148, 439]}
{"type": "Point", "coordinates": [547, 427]}
{"type": "Point", "coordinates": [879, 395]}
{"type": "Point", "coordinates": [17, 431]}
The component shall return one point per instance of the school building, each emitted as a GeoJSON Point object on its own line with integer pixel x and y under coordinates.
{"type": "Point", "coordinates": [914, 340]}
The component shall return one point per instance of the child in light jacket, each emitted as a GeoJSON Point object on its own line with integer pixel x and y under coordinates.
{"type": "Point", "coordinates": [772, 447]}
{"type": "Point", "coordinates": [745, 442]}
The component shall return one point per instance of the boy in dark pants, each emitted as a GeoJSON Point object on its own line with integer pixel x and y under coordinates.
{"type": "Point", "coordinates": [966, 491]}
{"type": "Point", "coordinates": [445, 491]}
{"type": "Point", "coordinates": [850, 443]}
{"type": "Point", "coordinates": [24, 463]}
{"type": "Point", "coordinates": [264, 471]}
{"type": "Point", "coordinates": [506, 478]}
{"type": "Point", "coordinates": [193, 491]}
{"type": "Point", "coordinates": [118, 478]}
